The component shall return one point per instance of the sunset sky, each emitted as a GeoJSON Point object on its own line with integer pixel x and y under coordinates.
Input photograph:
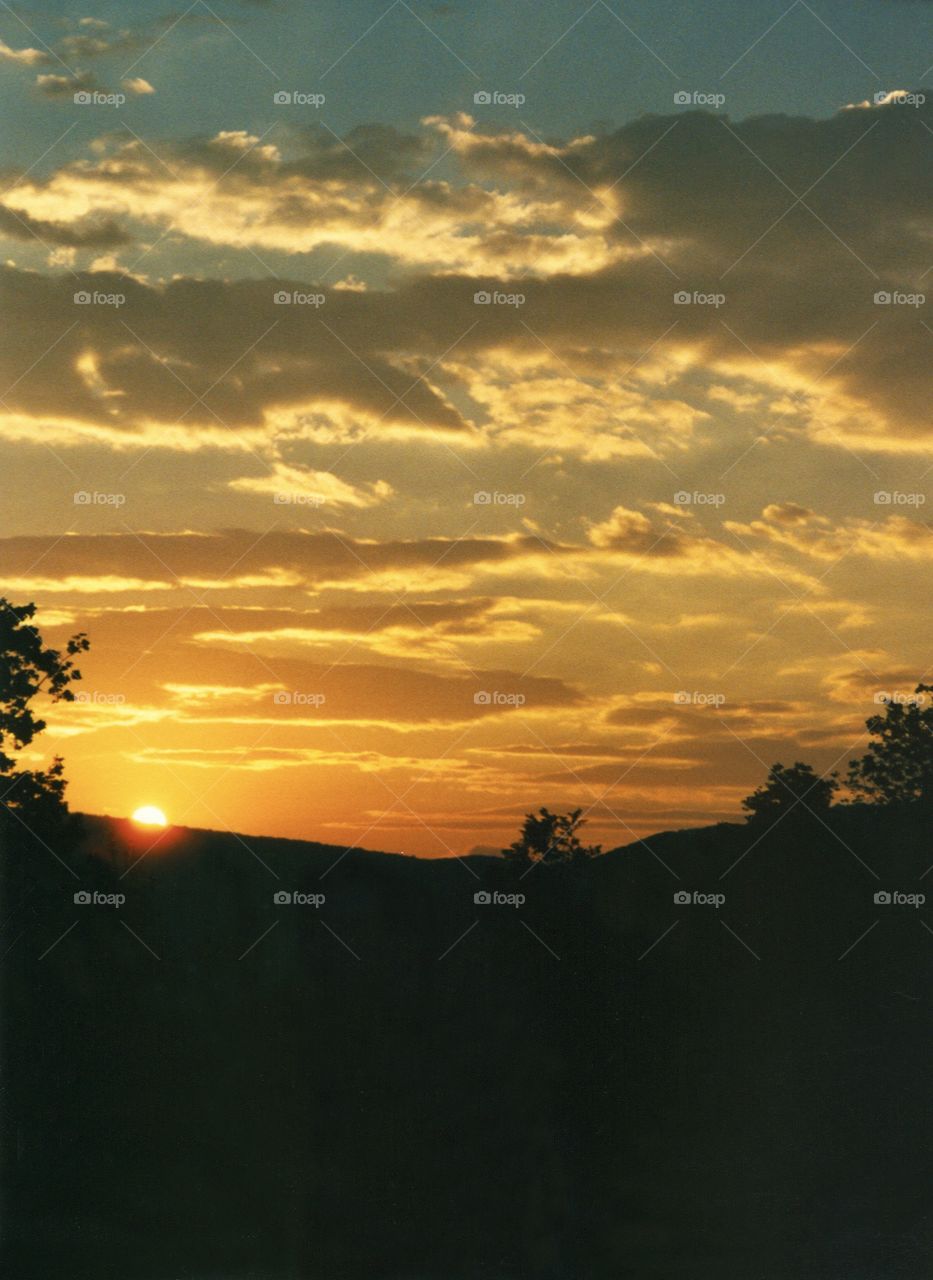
{"type": "Point", "coordinates": [531, 408]}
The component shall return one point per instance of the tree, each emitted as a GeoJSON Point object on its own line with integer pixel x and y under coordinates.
{"type": "Point", "coordinates": [33, 798]}
{"type": "Point", "coordinates": [898, 766]}
{"type": "Point", "coordinates": [798, 788]}
{"type": "Point", "coordinates": [551, 837]}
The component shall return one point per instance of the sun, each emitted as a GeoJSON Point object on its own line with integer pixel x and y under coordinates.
{"type": "Point", "coordinates": [149, 816]}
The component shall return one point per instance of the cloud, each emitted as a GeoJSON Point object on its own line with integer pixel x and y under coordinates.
{"type": "Point", "coordinates": [797, 529]}
{"type": "Point", "coordinates": [603, 232]}
{"type": "Point", "coordinates": [83, 234]}
{"type": "Point", "coordinates": [632, 532]}
{"type": "Point", "coordinates": [436, 629]}
{"type": "Point", "coordinates": [365, 192]}
{"type": "Point", "coordinates": [225, 688]}
{"type": "Point", "coordinates": [93, 40]}
{"type": "Point", "coordinates": [241, 557]}
{"type": "Point", "coordinates": [104, 42]}
{"type": "Point", "coordinates": [137, 85]}
{"type": "Point", "coordinates": [662, 547]}
{"type": "Point", "coordinates": [54, 85]}
{"type": "Point", "coordinates": [790, 513]}
{"type": "Point", "coordinates": [881, 99]}
{"type": "Point", "coordinates": [208, 352]}
{"type": "Point", "coordinates": [212, 687]}
{"type": "Point", "coordinates": [290, 485]}
{"type": "Point", "coordinates": [25, 57]}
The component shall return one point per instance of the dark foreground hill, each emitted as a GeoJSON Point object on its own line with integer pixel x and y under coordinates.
{"type": "Point", "coordinates": [404, 1082]}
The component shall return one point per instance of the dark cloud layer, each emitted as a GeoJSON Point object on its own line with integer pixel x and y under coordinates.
{"type": "Point", "coordinates": [78, 235]}
{"type": "Point", "coordinates": [314, 558]}
{"type": "Point", "coordinates": [795, 224]}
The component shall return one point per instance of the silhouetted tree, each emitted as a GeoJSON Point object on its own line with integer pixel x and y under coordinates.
{"type": "Point", "coordinates": [898, 766]}
{"type": "Point", "coordinates": [798, 788]}
{"type": "Point", "coordinates": [31, 798]}
{"type": "Point", "coordinates": [551, 837]}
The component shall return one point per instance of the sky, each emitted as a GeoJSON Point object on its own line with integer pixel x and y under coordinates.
{"type": "Point", "coordinates": [432, 411]}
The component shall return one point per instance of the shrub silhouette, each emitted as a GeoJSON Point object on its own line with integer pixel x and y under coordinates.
{"type": "Point", "coordinates": [898, 766]}
{"type": "Point", "coordinates": [551, 837]}
{"type": "Point", "coordinates": [797, 789]}
{"type": "Point", "coordinates": [31, 798]}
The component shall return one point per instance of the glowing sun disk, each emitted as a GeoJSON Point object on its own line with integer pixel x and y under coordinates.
{"type": "Point", "coordinates": [149, 816]}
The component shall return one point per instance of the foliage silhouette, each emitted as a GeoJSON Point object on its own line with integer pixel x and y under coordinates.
{"type": "Point", "coordinates": [794, 790]}
{"type": "Point", "coordinates": [898, 766]}
{"type": "Point", "coordinates": [31, 798]}
{"type": "Point", "coordinates": [552, 838]}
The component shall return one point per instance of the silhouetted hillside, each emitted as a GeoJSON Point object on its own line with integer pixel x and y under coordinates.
{"type": "Point", "coordinates": [401, 1082]}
